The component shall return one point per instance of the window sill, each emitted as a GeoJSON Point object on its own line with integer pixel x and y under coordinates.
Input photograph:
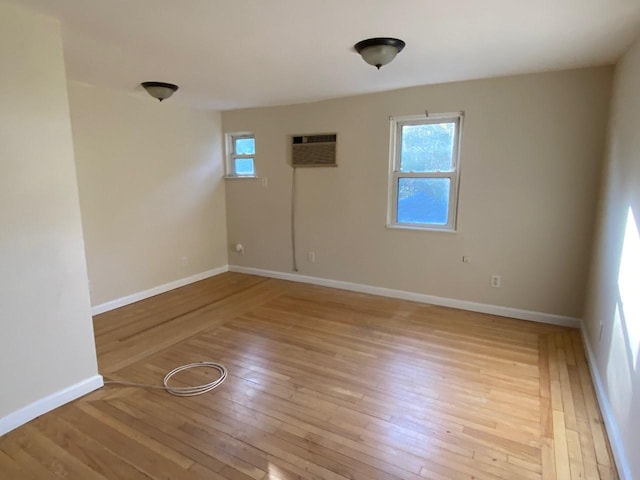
{"type": "Point", "coordinates": [235, 177]}
{"type": "Point", "coordinates": [418, 228]}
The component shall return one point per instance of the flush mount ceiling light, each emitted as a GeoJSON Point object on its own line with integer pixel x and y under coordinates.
{"type": "Point", "coordinates": [379, 51]}
{"type": "Point", "coordinates": [160, 90]}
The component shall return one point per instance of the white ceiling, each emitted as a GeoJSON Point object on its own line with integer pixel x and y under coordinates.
{"type": "Point", "coordinates": [228, 54]}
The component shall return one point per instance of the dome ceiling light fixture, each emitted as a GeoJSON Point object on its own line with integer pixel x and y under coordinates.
{"type": "Point", "coordinates": [159, 90]}
{"type": "Point", "coordinates": [379, 51]}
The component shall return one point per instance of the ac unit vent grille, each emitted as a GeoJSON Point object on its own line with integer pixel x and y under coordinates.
{"type": "Point", "coordinates": [315, 139]}
{"type": "Point", "coordinates": [313, 150]}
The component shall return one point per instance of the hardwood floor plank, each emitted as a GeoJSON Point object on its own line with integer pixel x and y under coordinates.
{"type": "Point", "coordinates": [86, 449]}
{"type": "Point", "coordinates": [146, 460]}
{"type": "Point", "coordinates": [561, 450]}
{"type": "Point", "coordinates": [576, 463]}
{"type": "Point", "coordinates": [11, 468]}
{"type": "Point", "coordinates": [548, 460]}
{"type": "Point", "coordinates": [52, 457]}
{"type": "Point", "coordinates": [568, 406]}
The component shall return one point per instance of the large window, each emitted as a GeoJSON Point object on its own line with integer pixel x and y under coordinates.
{"type": "Point", "coordinates": [424, 171]}
{"type": "Point", "coordinates": [241, 150]}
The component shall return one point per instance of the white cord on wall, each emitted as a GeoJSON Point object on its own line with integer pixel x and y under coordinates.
{"type": "Point", "coordinates": [293, 220]}
{"type": "Point", "coordinates": [182, 391]}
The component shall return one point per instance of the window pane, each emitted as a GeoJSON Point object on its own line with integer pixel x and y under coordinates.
{"type": "Point", "coordinates": [244, 166]}
{"type": "Point", "coordinates": [245, 146]}
{"type": "Point", "coordinates": [427, 148]}
{"type": "Point", "coordinates": [423, 200]}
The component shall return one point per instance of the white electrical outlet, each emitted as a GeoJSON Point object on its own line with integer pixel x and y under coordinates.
{"type": "Point", "coordinates": [240, 248]}
{"type": "Point", "coordinates": [495, 281]}
{"type": "Point", "coordinates": [311, 256]}
{"type": "Point", "coordinates": [184, 261]}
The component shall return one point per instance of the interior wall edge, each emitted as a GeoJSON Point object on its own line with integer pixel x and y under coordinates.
{"type": "Point", "coordinates": [499, 310]}
{"type": "Point", "coordinates": [151, 292]}
{"type": "Point", "coordinates": [50, 402]}
{"type": "Point", "coordinates": [613, 432]}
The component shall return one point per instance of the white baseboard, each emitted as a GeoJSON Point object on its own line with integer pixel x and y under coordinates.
{"type": "Point", "coordinates": [136, 297]}
{"type": "Point", "coordinates": [417, 297]}
{"type": "Point", "coordinates": [605, 407]}
{"type": "Point", "coordinates": [48, 403]}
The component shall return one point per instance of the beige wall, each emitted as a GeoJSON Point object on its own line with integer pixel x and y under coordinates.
{"type": "Point", "coordinates": [151, 189]}
{"type": "Point", "coordinates": [531, 157]}
{"type": "Point", "coordinates": [46, 344]}
{"type": "Point", "coordinates": [614, 298]}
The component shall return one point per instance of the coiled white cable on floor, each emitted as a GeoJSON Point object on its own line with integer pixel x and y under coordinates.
{"type": "Point", "coordinates": [183, 391]}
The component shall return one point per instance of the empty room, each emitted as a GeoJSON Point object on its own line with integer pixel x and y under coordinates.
{"type": "Point", "coordinates": [340, 240]}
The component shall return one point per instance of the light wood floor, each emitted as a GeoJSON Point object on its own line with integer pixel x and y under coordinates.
{"type": "Point", "coordinates": [323, 384]}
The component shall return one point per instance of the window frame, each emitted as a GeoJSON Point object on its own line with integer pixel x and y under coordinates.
{"type": "Point", "coordinates": [232, 156]}
{"type": "Point", "coordinates": [395, 147]}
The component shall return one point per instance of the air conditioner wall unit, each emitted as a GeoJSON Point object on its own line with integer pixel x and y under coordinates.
{"type": "Point", "coordinates": [314, 150]}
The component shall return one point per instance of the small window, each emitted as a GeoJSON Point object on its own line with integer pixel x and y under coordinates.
{"type": "Point", "coordinates": [241, 151]}
{"type": "Point", "coordinates": [424, 171]}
